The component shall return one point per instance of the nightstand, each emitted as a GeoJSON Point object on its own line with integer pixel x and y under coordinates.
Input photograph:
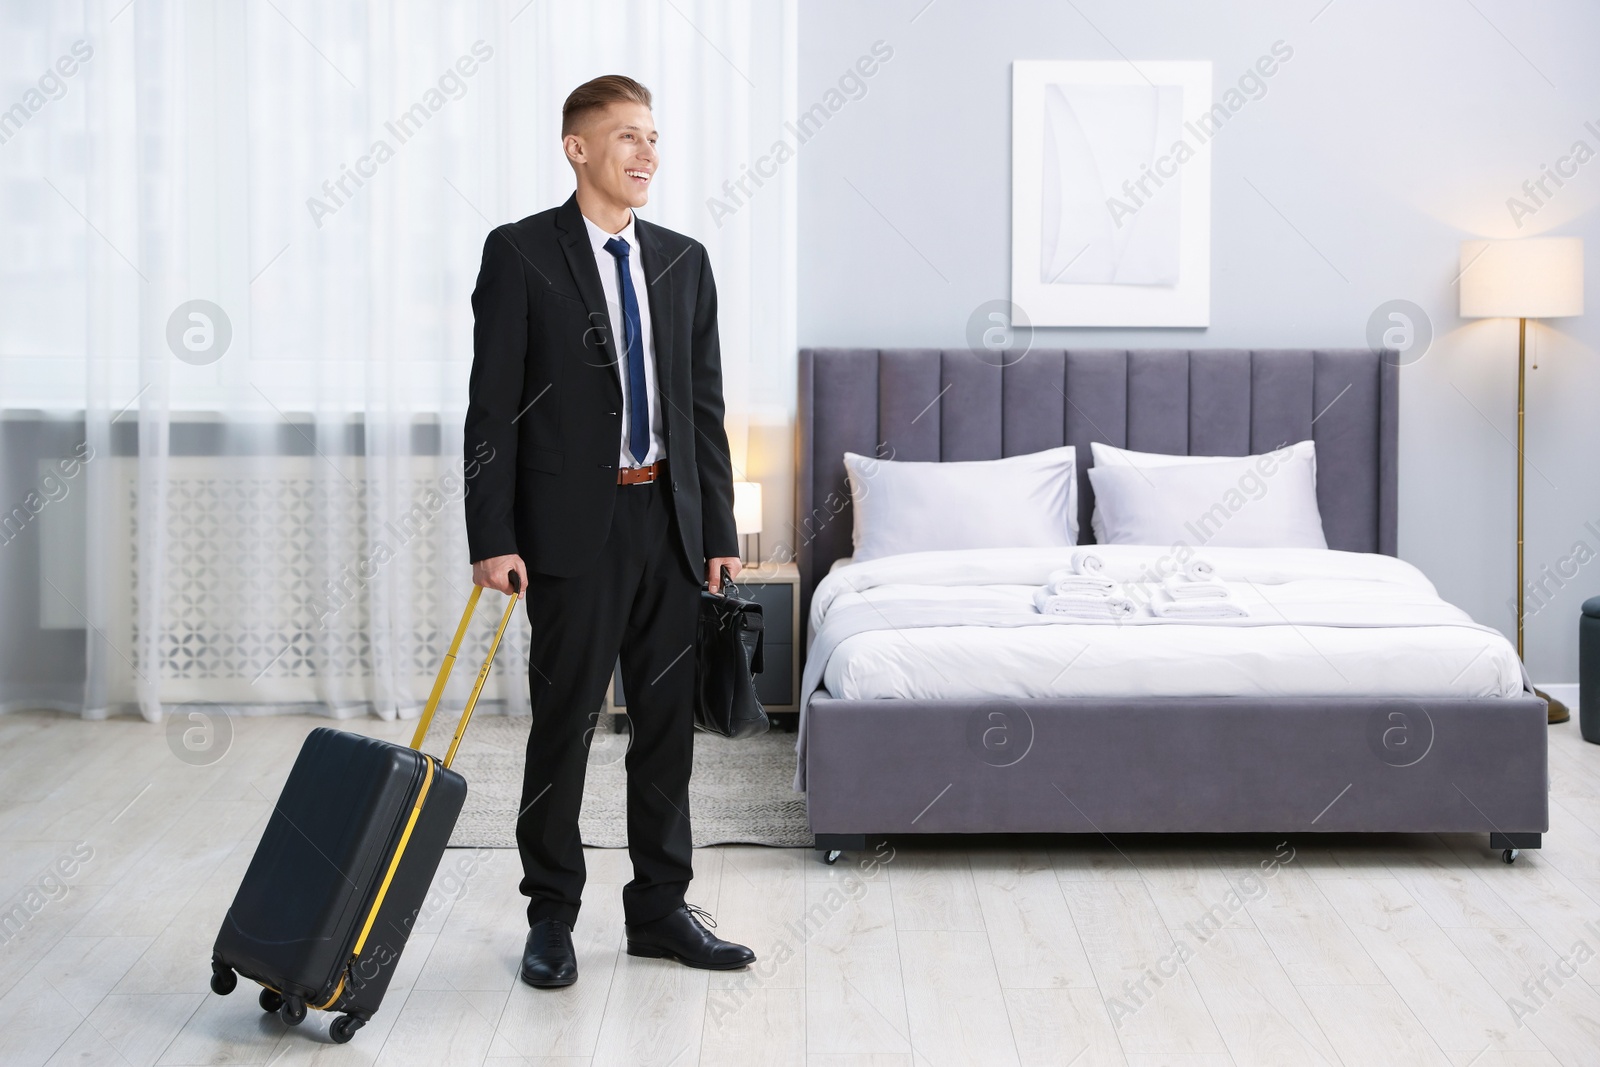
{"type": "Point", "coordinates": [776, 587]}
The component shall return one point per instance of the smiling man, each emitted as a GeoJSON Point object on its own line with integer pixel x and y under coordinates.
{"type": "Point", "coordinates": [596, 395]}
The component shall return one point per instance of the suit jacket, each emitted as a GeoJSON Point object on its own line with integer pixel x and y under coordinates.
{"type": "Point", "coordinates": [544, 422]}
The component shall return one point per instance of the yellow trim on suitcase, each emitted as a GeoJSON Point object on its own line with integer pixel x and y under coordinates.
{"type": "Point", "coordinates": [383, 890]}
{"type": "Point", "coordinates": [416, 743]}
{"type": "Point", "coordinates": [394, 864]}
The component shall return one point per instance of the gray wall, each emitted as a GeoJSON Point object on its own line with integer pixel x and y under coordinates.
{"type": "Point", "coordinates": [40, 665]}
{"type": "Point", "coordinates": [1394, 131]}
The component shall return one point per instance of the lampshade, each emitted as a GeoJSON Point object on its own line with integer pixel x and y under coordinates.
{"type": "Point", "coordinates": [747, 507]}
{"type": "Point", "coordinates": [1532, 278]}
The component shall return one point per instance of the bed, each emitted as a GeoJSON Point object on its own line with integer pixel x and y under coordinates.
{"type": "Point", "coordinates": [886, 749]}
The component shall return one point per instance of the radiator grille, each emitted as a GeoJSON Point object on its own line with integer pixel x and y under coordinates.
{"type": "Point", "coordinates": [283, 585]}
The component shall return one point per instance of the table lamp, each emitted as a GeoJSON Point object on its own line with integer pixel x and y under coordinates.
{"type": "Point", "coordinates": [1532, 278]}
{"type": "Point", "coordinates": [747, 515]}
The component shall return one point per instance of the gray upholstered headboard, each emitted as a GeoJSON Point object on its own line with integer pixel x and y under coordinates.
{"type": "Point", "coordinates": [928, 404]}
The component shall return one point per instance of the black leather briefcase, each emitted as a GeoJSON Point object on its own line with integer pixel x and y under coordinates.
{"type": "Point", "coordinates": [728, 653]}
{"type": "Point", "coordinates": [344, 866]}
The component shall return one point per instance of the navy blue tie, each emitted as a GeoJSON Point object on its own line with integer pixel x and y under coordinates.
{"type": "Point", "coordinates": [638, 402]}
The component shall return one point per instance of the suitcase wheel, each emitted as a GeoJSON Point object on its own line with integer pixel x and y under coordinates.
{"type": "Point", "coordinates": [293, 1011]}
{"type": "Point", "coordinates": [271, 1000]}
{"type": "Point", "coordinates": [223, 980]}
{"type": "Point", "coordinates": [344, 1028]}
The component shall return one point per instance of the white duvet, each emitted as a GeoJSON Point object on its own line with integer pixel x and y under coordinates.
{"type": "Point", "coordinates": [962, 625]}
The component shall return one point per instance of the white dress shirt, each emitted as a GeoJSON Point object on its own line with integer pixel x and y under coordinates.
{"type": "Point", "coordinates": [608, 282]}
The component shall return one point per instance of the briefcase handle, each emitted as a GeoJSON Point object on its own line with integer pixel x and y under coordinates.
{"type": "Point", "coordinates": [450, 661]}
{"type": "Point", "coordinates": [748, 622]}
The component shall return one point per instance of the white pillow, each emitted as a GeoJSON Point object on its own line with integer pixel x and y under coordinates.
{"type": "Point", "coordinates": [1021, 501]}
{"type": "Point", "coordinates": [1103, 455]}
{"type": "Point", "coordinates": [1263, 501]}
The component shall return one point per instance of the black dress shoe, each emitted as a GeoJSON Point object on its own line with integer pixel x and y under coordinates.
{"type": "Point", "coordinates": [682, 935]}
{"type": "Point", "coordinates": [548, 961]}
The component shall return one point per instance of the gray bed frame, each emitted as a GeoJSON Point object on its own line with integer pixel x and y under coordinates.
{"type": "Point", "coordinates": [881, 767]}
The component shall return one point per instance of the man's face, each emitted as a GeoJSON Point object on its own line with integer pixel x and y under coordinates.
{"type": "Point", "coordinates": [615, 151]}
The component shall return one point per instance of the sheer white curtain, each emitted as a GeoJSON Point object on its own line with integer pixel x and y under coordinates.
{"type": "Point", "coordinates": [277, 524]}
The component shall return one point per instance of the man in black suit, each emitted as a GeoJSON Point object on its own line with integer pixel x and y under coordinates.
{"type": "Point", "coordinates": [596, 395]}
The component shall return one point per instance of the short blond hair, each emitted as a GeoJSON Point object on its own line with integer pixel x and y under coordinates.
{"type": "Point", "coordinates": [599, 93]}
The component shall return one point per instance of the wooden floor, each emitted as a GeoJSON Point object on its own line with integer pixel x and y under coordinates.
{"type": "Point", "coordinates": [118, 859]}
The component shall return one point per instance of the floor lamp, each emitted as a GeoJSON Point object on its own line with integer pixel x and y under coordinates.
{"type": "Point", "coordinates": [1533, 278]}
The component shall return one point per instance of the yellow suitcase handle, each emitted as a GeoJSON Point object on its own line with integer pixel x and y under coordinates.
{"type": "Point", "coordinates": [450, 661]}
{"type": "Point", "coordinates": [416, 743]}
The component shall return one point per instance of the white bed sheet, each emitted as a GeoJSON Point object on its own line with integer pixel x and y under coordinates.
{"type": "Point", "coordinates": [1187, 661]}
{"type": "Point", "coordinates": [1324, 623]}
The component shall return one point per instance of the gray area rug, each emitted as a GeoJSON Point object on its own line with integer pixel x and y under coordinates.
{"type": "Point", "coordinates": [739, 793]}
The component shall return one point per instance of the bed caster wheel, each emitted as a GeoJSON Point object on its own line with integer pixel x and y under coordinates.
{"type": "Point", "coordinates": [223, 980]}
{"type": "Point", "coordinates": [270, 1000]}
{"type": "Point", "coordinates": [293, 1011]}
{"type": "Point", "coordinates": [1509, 855]}
{"type": "Point", "coordinates": [344, 1028]}
{"type": "Point", "coordinates": [831, 856]}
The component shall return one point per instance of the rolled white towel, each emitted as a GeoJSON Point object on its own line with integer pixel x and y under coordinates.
{"type": "Point", "coordinates": [1082, 605]}
{"type": "Point", "coordinates": [1199, 570]}
{"type": "Point", "coordinates": [1067, 582]}
{"type": "Point", "coordinates": [1184, 588]}
{"type": "Point", "coordinates": [1087, 561]}
{"type": "Point", "coordinates": [1165, 607]}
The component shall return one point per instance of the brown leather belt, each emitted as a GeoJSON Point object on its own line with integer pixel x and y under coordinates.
{"type": "Point", "coordinates": [642, 475]}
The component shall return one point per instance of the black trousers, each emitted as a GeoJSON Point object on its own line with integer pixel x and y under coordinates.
{"type": "Point", "coordinates": [641, 600]}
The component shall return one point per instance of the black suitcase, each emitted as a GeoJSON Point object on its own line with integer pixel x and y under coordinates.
{"type": "Point", "coordinates": [344, 865]}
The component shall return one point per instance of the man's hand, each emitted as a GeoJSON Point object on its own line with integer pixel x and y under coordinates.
{"type": "Point", "coordinates": [492, 573]}
{"type": "Point", "coordinates": [714, 571]}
